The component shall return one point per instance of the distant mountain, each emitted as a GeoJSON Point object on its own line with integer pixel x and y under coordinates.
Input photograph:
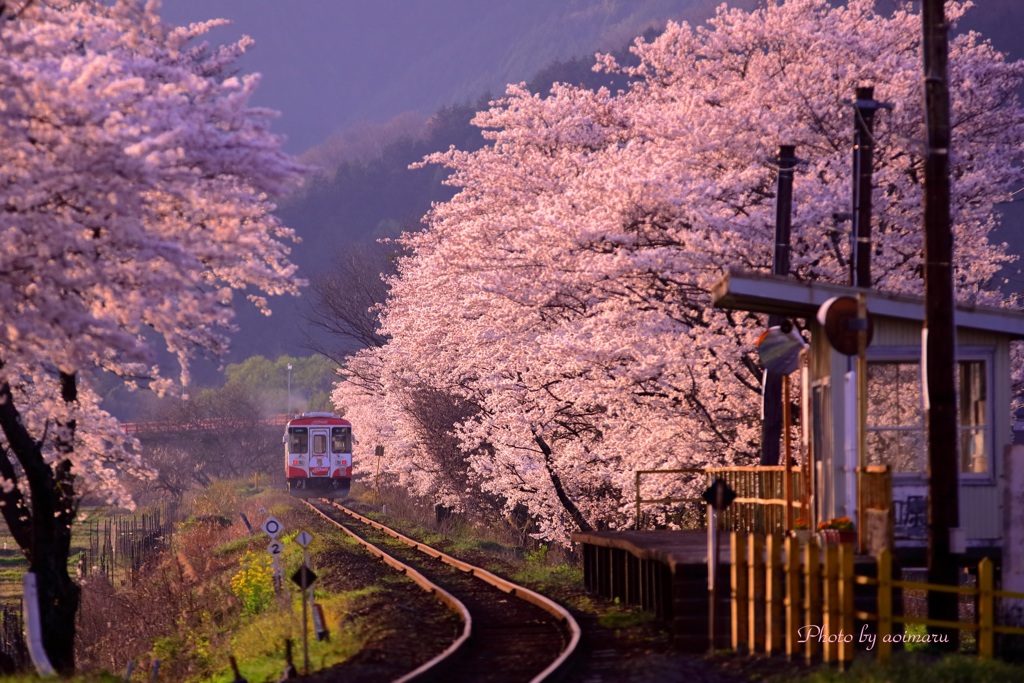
{"type": "Point", "coordinates": [327, 65]}
{"type": "Point", "coordinates": [506, 42]}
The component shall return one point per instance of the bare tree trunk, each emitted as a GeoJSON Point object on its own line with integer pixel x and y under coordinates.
{"type": "Point", "coordinates": [41, 524]}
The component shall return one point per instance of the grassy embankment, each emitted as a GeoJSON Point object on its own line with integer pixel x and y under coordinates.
{"type": "Point", "coordinates": [211, 595]}
{"type": "Point", "coordinates": [239, 612]}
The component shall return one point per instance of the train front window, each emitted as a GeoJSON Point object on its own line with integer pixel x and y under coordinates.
{"type": "Point", "coordinates": [341, 440]}
{"type": "Point", "coordinates": [319, 444]}
{"type": "Point", "coordinates": [298, 440]}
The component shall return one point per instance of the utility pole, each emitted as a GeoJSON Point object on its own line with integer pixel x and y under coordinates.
{"type": "Point", "coordinates": [863, 168]}
{"type": "Point", "coordinates": [864, 106]}
{"type": "Point", "coordinates": [939, 352]}
{"type": "Point", "coordinates": [771, 423]}
{"type": "Point", "coordinates": [289, 413]}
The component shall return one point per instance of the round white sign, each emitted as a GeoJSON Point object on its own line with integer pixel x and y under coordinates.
{"type": "Point", "coordinates": [272, 527]}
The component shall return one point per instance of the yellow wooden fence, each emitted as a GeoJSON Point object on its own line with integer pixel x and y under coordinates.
{"type": "Point", "coordinates": [797, 599]}
{"type": "Point", "coordinates": [985, 594]}
{"type": "Point", "coordinates": [792, 598]}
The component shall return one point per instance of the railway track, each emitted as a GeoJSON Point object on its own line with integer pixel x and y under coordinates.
{"type": "Point", "coordinates": [510, 633]}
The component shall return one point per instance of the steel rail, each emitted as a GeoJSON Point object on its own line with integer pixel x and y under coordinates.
{"type": "Point", "coordinates": [453, 603]}
{"type": "Point", "coordinates": [561, 614]}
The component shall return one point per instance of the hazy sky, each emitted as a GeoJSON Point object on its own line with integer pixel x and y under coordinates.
{"type": "Point", "coordinates": [320, 59]}
{"type": "Point", "coordinates": [327, 64]}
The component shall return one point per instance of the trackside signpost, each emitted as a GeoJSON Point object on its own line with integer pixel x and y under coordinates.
{"type": "Point", "coordinates": [718, 496]}
{"type": "Point", "coordinates": [272, 527]}
{"type": "Point", "coordinates": [305, 577]}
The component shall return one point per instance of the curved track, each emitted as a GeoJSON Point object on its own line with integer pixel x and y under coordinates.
{"type": "Point", "coordinates": [510, 632]}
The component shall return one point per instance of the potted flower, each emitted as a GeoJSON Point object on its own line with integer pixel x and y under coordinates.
{"type": "Point", "coordinates": [800, 531]}
{"type": "Point", "coordinates": [837, 530]}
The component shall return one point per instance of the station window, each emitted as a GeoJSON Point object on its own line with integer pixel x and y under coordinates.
{"type": "Point", "coordinates": [895, 424]}
{"type": "Point", "coordinates": [298, 440]}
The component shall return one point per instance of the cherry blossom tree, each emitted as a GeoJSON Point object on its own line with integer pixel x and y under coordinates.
{"type": "Point", "coordinates": [134, 197]}
{"type": "Point", "coordinates": [564, 290]}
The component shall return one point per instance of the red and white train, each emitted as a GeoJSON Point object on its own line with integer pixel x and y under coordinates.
{"type": "Point", "coordinates": [318, 455]}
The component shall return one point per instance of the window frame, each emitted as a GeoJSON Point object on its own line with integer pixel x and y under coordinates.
{"type": "Point", "coordinates": [296, 434]}
{"type": "Point", "coordinates": [987, 427]}
{"type": "Point", "coordinates": [346, 436]}
{"type": "Point", "coordinates": [965, 354]}
{"type": "Point", "coordinates": [898, 429]}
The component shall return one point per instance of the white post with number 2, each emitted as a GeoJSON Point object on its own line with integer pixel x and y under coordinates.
{"type": "Point", "coordinates": [272, 527]}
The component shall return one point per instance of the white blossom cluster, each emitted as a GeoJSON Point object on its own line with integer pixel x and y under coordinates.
{"type": "Point", "coordinates": [563, 292]}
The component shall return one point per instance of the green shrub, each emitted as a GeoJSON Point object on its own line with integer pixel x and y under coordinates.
{"type": "Point", "coordinates": [219, 521]}
{"type": "Point", "coordinates": [537, 557]}
{"type": "Point", "coordinates": [233, 546]}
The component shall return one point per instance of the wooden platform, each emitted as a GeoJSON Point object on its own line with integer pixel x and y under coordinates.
{"type": "Point", "coordinates": [662, 571]}
{"type": "Point", "coordinates": [673, 548]}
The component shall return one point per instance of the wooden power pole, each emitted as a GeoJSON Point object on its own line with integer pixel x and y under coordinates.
{"type": "Point", "coordinates": [772, 398]}
{"type": "Point", "coordinates": [939, 341]}
{"type": "Point", "coordinates": [864, 107]}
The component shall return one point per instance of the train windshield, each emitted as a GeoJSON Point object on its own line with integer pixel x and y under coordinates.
{"type": "Point", "coordinates": [341, 440]}
{"type": "Point", "coordinates": [319, 444]}
{"type": "Point", "coordinates": [298, 440]}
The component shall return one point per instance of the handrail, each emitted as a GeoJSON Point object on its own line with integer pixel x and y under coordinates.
{"type": "Point", "coordinates": [667, 499]}
{"type": "Point", "coordinates": [210, 423]}
{"type": "Point", "coordinates": [755, 485]}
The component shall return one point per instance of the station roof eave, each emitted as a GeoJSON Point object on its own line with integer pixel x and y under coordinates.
{"type": "Point", "coordinates": [759, 293]}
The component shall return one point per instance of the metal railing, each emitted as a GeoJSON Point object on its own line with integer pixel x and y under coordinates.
{"type": "Point", "coordinates": [665, 500]}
